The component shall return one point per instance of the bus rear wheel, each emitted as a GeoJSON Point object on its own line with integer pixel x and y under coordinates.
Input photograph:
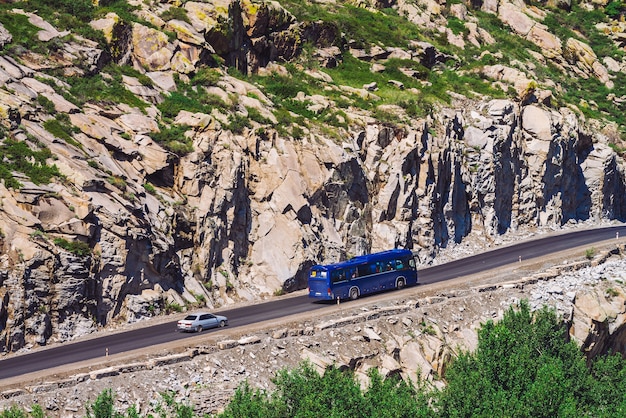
{"type": "Point", "coordinates": [400, 284]}
{"type": "Point", "coordinates": [354, 293]}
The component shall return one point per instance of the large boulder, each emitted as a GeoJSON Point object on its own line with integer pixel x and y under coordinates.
{"type": "Point", "coordinates": [151, 48]}
{"type": "Point", "coordinates": [262, 18]}
{"type": "Point", "coordinates": [519, 80]}
{"type": "Point", "coordinates": [598, 321]}
{"type": "Point", "coordinates": [582, 56]}
{"type": "Point", "coordinates": [514, 17]}
{"type": "Point", "coordinates": [548, 43]}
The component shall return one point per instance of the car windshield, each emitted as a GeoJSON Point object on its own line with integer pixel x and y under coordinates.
{"type": "Point", "coordinates": [190, 317]}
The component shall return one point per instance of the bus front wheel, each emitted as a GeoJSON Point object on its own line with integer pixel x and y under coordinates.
{"type": "Point", "coordinates": [400, 284]}
{"type": "Point", "coordinates": [354, 293]}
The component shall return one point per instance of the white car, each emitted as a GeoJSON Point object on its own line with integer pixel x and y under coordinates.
{"type": "Point", "coordinates": [200, 321]}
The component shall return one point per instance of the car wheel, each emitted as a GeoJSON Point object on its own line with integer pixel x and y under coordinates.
{"type": "Point", "coordinates": [354, 293]}
{"type": "Point", "coordinates": [199, 328]}
{"type": "Point", "coordinates": [222, 324]}
{"type": "Point", "coordinates": [400, 284]}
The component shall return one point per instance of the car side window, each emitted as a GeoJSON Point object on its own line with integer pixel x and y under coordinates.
{"type": "Point", "coordinates": [203, 317]}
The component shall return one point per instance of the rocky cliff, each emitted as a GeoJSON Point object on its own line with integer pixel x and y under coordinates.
{"type": "Point", "coordinates": [179, 154]}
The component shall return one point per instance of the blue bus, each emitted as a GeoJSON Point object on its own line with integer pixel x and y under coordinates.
{"type": "Point", "coordinates": [392, 269]}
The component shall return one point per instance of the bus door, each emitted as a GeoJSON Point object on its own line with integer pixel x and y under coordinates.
{"type": "Point", "coordinates": [339, 282]}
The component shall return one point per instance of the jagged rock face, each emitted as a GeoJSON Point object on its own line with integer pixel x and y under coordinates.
{"type": "Point", "coordinates": [498, 169]}
{"type": "Point", "coordinates": [263, 209]}
{"type": "Point", "coordinates": [246, 214]}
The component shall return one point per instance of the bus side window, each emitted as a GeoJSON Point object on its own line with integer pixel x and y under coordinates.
{"type": "Point", "coordinates": [361, 271]}
{"type": "Point", "coordinates": [399, 265]}
{"type": "Point", "coordinates": [339, 276]}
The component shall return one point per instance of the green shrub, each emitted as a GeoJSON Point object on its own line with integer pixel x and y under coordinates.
{"type": "Point", "coordinates": [18, 156]}
{"type": "Point", "coordinates": [177, 13]}
{"type": "Point", "coordinates": [192, 97]}
{"type": "Point", "coordinates": [80, 9]}
{"type": "Point", "coordinates": [173, 138]}
{"type": "Point", "coordinates": [102, 407]}
{"type": "Point", "coordinates": [355, 73]}
{"type": "Point", "coordinates": [171, 307]}
{"type": "Point", "coordinates": [255, 115]}
{"type": "Point", "coordinates": [150, 188]}
{"type": "Point", "coordinates": [284, 87]}
{"type": "Point", "coordinates": [13, 412]}
{"type": "Point", "coordinates": [523, 366]}
{"type": "Point", "coordinates": [95, 88]}
{"type": "Point", "coordinates": [363, 26]}
{"type": "Point", "coordinates": [206, 77]}
{"type": "Point", "coordinates": [297, 132]}
{"type": "Point", "coordinates": [612, 292]}
{"type": "Point", "coordinates": [79, 248]}
{"type": "Point", "coordinates": [614, 9]}
{"type": "Point", "coordinates": [237, 123]}
{"type": "Point", "coordinates": [46, 104]}
{"type": "Point", "coordinates": [429, 330]}
{"type": "Point", "coordinates": [23, 32]}
{"type": "Point", "coordinates": [62, 14]}
{"type": "Point", "coordinates": [61, 130]}
{"type": "Point", "coordinates": [179, 147]}
{"type": "Point", "coordinates": [176, 101]}
{"type": "Point", "coordinates": [37, 233]}
{"type": "Point", "coordinates": [457, 26]}
{"type": "Point", "coordinates": [127, 70]}
{"type": "Point", "coordinates": [303, 392]}
{"type": "Point", "coordinates": [129, 196]}
{"type": "Point", "coordinates": [118, 182]}
{"type": "Point", "coordinates": [93, 164]}
{"type": "Point", "coordinates": [122, 8]}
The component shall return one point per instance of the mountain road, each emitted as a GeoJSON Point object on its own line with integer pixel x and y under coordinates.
{"type": "Point", "coordinates": [92, 348]}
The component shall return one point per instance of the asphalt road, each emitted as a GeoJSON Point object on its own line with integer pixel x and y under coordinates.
{"type": "Point", "coordinates": [67, 353]}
